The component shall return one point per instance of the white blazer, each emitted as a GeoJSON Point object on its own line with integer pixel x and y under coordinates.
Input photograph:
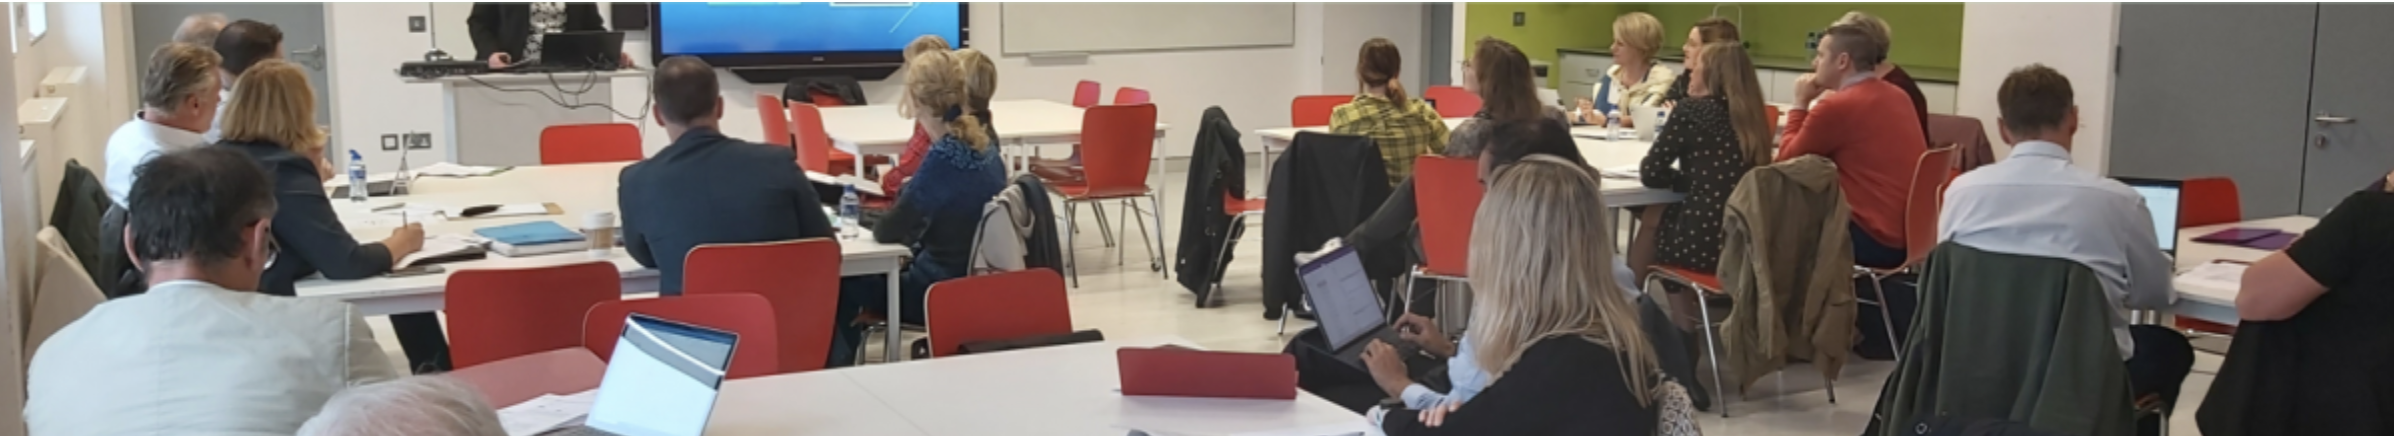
{"type": "Point", "coordinates": [192, 358]}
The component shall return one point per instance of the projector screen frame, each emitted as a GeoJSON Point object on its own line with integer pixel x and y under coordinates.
{"type": "Point", "coordinates": [803, 60]}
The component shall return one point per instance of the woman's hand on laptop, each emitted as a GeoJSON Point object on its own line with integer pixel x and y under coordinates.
{"type": "Point", "coordinates": [1424, 331]}
{"type": "Point", "coordinates": [1387, 368]}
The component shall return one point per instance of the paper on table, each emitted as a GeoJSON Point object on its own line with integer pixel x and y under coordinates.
{"type": "Point", "coordinates": [2214, 276]}
{"type": "Point", "coordinates": [445, 169]}
{"type": "Point", "coordinates": [546, 412]}
{"type": "Point", "coordinates": [1620, 172]}
{"type": "Point", "coordinates": [441, 245]}
{"type": "Point", "coordinates": [343, 181]}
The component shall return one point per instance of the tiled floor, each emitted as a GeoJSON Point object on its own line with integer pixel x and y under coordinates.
{"type": "Point", "coordinates": [1130, 300]}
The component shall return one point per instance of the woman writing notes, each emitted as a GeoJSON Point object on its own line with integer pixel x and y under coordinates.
{"type": "Point", "coordinates": [1635, 80]}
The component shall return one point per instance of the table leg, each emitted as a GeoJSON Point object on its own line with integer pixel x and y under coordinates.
{"type": "Point", "coordinates": [897, 317]}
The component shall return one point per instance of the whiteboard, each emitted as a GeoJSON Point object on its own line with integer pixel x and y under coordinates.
{"type": "Point", "coordinates": [1030, 28]}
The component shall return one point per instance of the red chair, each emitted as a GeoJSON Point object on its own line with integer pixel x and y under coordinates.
{"type": "Point", "coordinates": [495, 314]}
{"type": "Point", "coordinates": [1238, 209]}
{"type": "Point", "coordinates": [1119, 143]}
{"type": "Point", "coordinates": [1925, 198]}
{"type": "Point", "coordinates": [1008, 305]}
{"type": "Point", "coordinates": [1130, 96]}
{"type": "Point", "coordinates": [1771, 112]}
{"type": "Point", "coordinates": [2208, 201]}
{"type": "Point", "coordinates": [1446, 230]}
{"type": "Point", "coordinates": [747, 315]}
{"type": "Point", "coordinates": [1453, 102]}
{"type": "Point", "coordinates": [801, 278]}
{"type": "Point", "coordinates": [1314, 110]}
{"type": "Point", "coordinates": [2203, 202]}
{"type": "Point", "coordinates": [589, 143]}
{"type": "Point", "coordinates": [775, 117]}
{"type": "Point", "coordinates": [1087, 94]}
{"type": "Point", "coordinates": [815, 152]}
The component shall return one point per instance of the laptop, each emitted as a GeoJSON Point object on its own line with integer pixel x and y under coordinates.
{"type": "Point", "coordinates": [579, 51]}
{"type": "Point", "coordinates": [661, 381]}
{"type": "Point", "coordinates": [1349, 311]}
{"type": "Point", "coordinates": [2161, 198]}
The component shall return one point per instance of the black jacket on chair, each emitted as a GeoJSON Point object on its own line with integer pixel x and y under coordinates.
{"type": "Point", "coordinates": [506, 27]}
{"type": "Point", "coordinates": [1041, 249]}
{"type": "Point", "coordinates": [1322, 188]}
{"type": "Point", "coordinates": [707, 188]}
{"type": "Point", "coordinates": [310, 233]}
{"type": "Point", "coordinates": [80, 204]}
{"type": "Point", "coordinates": [1217, 167]}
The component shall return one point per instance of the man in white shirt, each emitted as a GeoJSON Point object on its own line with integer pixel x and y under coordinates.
{"type": "Point", "coordinates": [180, 95]}
{"type": "Point", "coordinates": [2035, 203]}
{"type": "Point", "coordinates": [201, 352]}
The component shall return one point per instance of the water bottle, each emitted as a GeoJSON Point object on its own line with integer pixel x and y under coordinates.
{"type": "Point", "coordinates": [851, 212]}
{"type": "Point", "coordinates": [357, 177]}
{"type": "Point", "coordinates": [1612, 125]}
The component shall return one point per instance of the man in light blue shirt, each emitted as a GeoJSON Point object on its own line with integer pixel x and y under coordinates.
{"type": "Point", "coordinates": [2035, 203]}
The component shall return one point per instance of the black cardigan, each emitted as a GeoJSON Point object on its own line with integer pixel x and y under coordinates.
{"type": "Point", "coordinates": [310, 233]}
{"type": "Point", "coordinates": [1560, 386]}
{"type": "Point", "coordinates": [505, 27]}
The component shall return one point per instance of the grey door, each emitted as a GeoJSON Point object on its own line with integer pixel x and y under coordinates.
{"type": "Point", "coordinates": [2352, 104]}
{"type": "Point", "coordinates": [302, 25]}
{"type": "Point", "coordinates": [2191, 100]}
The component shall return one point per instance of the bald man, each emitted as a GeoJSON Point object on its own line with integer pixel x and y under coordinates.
{"type": "Point", "coordinates": [200, 29]}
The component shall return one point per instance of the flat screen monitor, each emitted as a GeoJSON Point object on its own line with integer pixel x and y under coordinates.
{"type": "Point", "coordinates": [802, 33]}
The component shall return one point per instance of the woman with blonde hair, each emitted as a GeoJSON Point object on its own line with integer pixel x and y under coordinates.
{"type": "Point", "coordinates": [1717, 134]}
{"type": "Point", "coordinates": [1549, 323]}
{"type": "Point", "coordinates": [919, 143]}
{"type": "Point", "coordinates": [272, 117]}
{"type": "Point", "coordinates": [1636, 78]}
{"type": "Point", "coordinates": [941, 208]}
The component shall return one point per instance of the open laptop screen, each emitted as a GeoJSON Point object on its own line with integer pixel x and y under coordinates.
{"type": "Point", "coordinates": [662, 379]}
{"type": "Point", "coordinates": [2161, 199]}
{"type": "Point", "coordinates": [1342, 296]}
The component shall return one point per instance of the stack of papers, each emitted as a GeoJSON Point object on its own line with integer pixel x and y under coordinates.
{"type": "Point", "coordinates": [445, 169]}
{"type": "Point", "coordinates": [2215, 276]}
{"type": "Point", "coordinates": [547, 412]}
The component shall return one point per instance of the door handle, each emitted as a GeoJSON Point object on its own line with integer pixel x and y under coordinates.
{"type": "Point", "coordinates": [312, 57]}
{"type": "Point", "coordinates": [2325, 119]}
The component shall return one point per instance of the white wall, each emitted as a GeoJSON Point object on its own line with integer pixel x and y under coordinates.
{"type": "Point", "coordinates": [2076, 39]}
{"type": "Point", "coordinates": [93, 110]}
{"type": "Point", "coordinates": [17, 227]}
{"type": "Point", "coordinates": [1253, 84]}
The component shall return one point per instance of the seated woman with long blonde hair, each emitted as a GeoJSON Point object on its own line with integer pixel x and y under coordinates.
{"type": "Point", "coordinates": [1563, 347]}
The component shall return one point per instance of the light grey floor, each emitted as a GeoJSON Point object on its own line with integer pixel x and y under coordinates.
{"type": "Point", "coordinates": [1130, 300]}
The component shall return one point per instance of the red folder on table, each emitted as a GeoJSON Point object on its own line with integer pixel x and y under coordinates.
{"type": "Point", "coordinates": [1183, 372]}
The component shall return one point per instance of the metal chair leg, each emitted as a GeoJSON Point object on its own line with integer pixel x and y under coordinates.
{"type": "Point", "coordinates": [1720, 385]}
{"type": "Point", "coordinates": [1072, 260]}
{"type": "Point", "coordinates": [1155, 209]}
{"type": "Point", "coordinates": [1102, 227]}
{"type": "Point", "coordinates": [1886, 316]}
{"type": "Point", "coordinates": [1122, 229]}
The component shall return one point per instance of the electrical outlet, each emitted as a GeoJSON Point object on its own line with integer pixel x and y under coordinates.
{"type": "Point", "coordinates": [415, 24]}
{"type": "Point", "coordinates": [419, 141]}
{"type": "Point", "coordinates": [390, 142]}
{"type": "Point", "coordinates": [1520, 19]}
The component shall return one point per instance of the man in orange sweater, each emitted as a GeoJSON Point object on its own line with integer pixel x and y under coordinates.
{"type": "Point", "coordinates": [1868, 128]}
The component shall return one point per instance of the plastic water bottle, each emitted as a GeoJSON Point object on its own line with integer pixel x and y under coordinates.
{"type": "Point", "coordinates": [851, 212]}
{"type": "Point", "coordinates": [357, 177]}
{"type": "Point", "coordinates": [1612, 125]}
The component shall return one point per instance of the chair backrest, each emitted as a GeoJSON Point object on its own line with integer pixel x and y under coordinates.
{"type": "Point", "coordinates": [1997, 325]}
{"type": "Point", "coordinates": [2208, 200]}
{"type": "Point", "coordinates": [1008, 305]}
{"type": "Point", "coordinates": [1117, 143]}
{"type": "Point", "coordinates": [1923, 202]}
{"type": "Point", "coordinates": [1129, 95]}
{"type": "Point", "coordinates": [1965, 132]}
{"type": "Point", "coordinates": [814, 144]}
{"type": "Point", "coordinates": [1452, 183]}
{"type": "Point", "coordinates": [1771, 112]}
{"type": "Point", "coordinates": [775, 117]}
{"type": "Point", "coordinates": [495, 314]}
{"type": "Point", "coordinates": [589, 143]}
{"type": "Point", "coordinates": [801, 278]}
{"type": "Point", "coordinates": [1314, 110]}
{"type": "Point", "coordinates": [747, 315]}
{"type": "Point", "coordinates": [1453, 102]}
{"type": "Point", "coordinates": [1087, 93]}
{"type": "Point", "coordinates": [62, 292]}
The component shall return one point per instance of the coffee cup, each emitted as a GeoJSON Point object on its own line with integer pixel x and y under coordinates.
{"type": "Point", "coordinates": [599, 229]}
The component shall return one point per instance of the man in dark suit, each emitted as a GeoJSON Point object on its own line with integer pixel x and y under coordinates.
{"type": "Point", "coordinates": [707, 188]}
{"type": "Point", "coordinates": [505, 33]}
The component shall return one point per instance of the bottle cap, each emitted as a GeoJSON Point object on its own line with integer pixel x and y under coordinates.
{"type": "Point", "coordinates": [354, 156]}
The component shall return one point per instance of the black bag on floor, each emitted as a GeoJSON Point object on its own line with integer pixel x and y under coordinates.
{"type": "Point", "coordinates": [1903, 299]}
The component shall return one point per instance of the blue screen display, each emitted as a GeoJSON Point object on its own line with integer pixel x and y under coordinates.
{"type": "Point", "coordinates": [808, 27]}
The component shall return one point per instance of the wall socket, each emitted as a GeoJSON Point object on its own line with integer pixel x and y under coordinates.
{"type": "Point", "coordinates": [390, 142]}
{"type": "Point", "coordinates": [415, 24]}
{"type": "Point", "coordinates": [419, 141]}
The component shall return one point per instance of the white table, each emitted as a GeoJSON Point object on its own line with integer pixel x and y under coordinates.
{"type": "Point", "coordinates": [881, 130]}
{"type": "Point", "coordinates": [1067, 390]}
{"type": "Point", "coordinates": [2210, 303]}
{"type": "Point", "coordinates": [503, 127]}
{"type": "Point", "coordinates": [1599, 152]}
{"type": "Point", "coordinates": [579, 190]}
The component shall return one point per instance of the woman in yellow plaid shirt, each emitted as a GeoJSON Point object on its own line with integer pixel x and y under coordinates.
{"type": "Point", "coordinates": [1403, 126]}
